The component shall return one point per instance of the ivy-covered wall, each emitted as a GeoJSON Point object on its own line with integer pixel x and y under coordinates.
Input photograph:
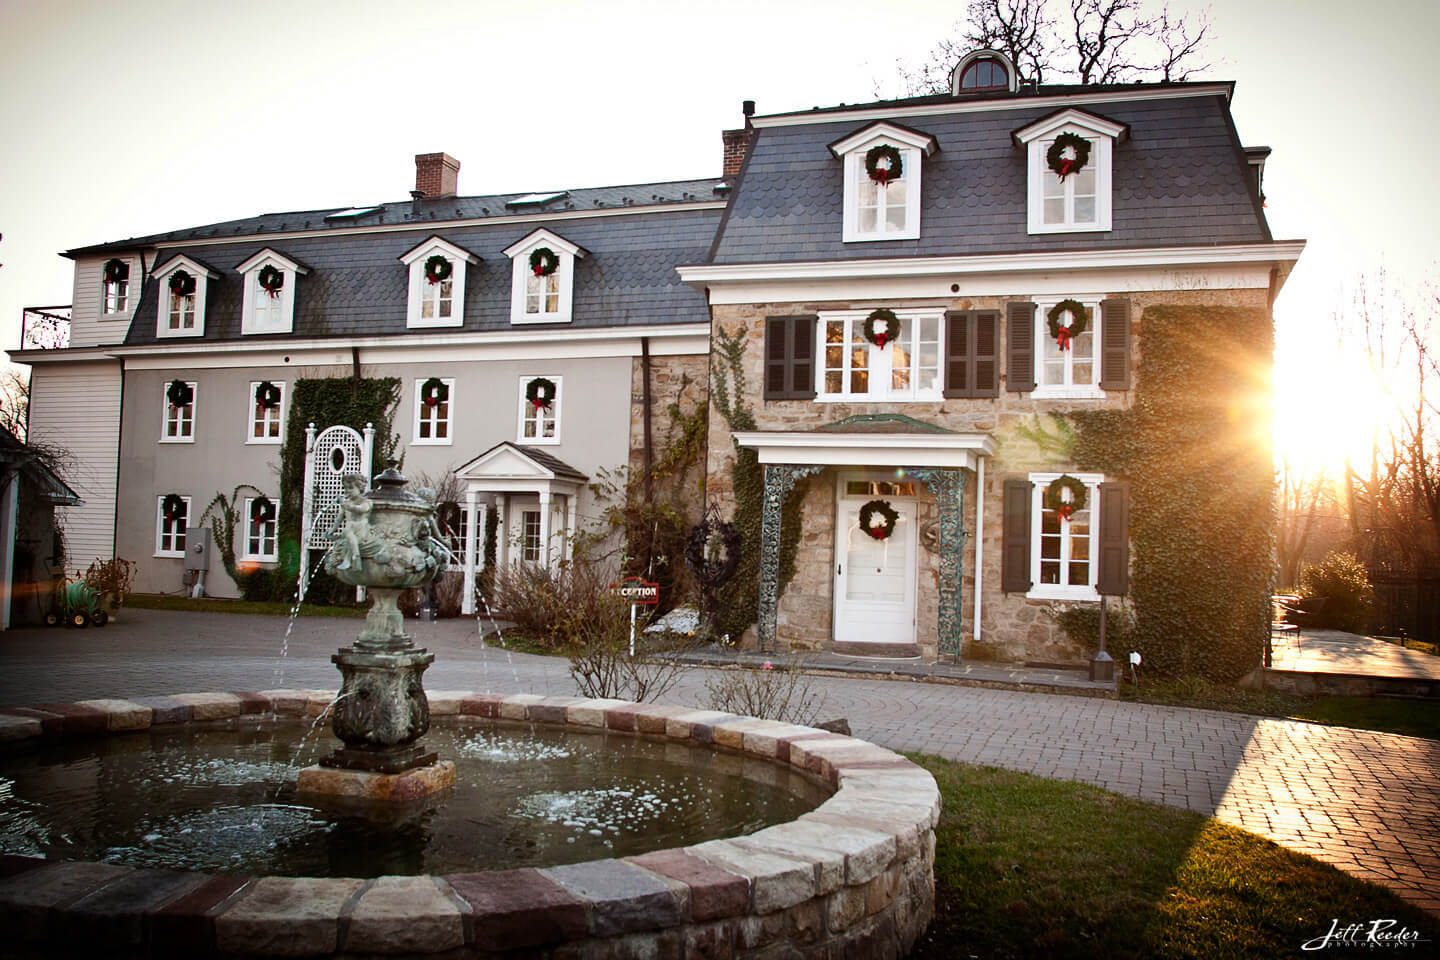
{"type": "Point", "coordinates": [1196, 448]}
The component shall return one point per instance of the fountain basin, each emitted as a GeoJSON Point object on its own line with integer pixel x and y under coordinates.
{"type": "Point", "coordinates": [853, 877]}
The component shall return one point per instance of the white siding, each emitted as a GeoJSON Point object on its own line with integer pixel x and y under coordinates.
{"type": "Point", "coordinates": [87, 328]}
{"type": "Point", "coordinates": [76, 407]}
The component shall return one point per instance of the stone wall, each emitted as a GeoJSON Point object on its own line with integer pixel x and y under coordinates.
{"type": "Point", "coordinates": [1013, 627]}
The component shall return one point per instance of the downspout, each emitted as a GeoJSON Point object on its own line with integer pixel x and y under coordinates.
{"type": "Point", "coordinates": [979, 540]}
{"type": "Point", "coordinates": [646, 443]}
{"type": "Point", "coordinates": [119, 447]}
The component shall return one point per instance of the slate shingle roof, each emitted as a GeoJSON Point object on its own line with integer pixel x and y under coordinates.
{"type": "Point", "coordinates": [1180, 178]}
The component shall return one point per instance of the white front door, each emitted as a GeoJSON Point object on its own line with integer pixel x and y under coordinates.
{"type": "Point", "coordinates": [874, 579]}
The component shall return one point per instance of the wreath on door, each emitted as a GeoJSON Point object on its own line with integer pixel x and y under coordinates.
{"type": "Point", "coordinates": [877, 518]}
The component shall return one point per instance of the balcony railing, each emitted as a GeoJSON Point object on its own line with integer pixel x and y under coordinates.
{"type": "Point", "coordinates": [45, 328]}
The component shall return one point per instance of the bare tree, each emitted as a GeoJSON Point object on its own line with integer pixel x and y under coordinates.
{"type": "Point", "coordinates": [1306, 501]}
{"type": "Point", "coordinates": [15, 401]}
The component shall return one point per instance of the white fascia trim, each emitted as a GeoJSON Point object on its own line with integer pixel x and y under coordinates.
{"type": "Point", "coordinates": [542, 236]}
{"type": "Point", "coordinates": [64, 355]}
{"type": "Point", "coordinates": [885, 131]}
{"type": "Point", "coordinates": [872, 449]}
{"type": "Point", "coordinates": [989, 106]}
{"type": "Point", "coordinates": [268, 255]}
{"type": "Point", "coordinates": [180, 260]}
{"type": "Point", "coordinates": [433, 244]}
{"type": "Point", "coordinates": [414, 226]}
{"type": "Point", "coordinates": [1074, 117]}
{"type": "Point", "coordinates": [1286, 251]}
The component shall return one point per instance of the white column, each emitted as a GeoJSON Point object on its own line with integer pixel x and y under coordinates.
{"type": "Point", "coordinates": [979, 538]}
{"type": "Point", "coordinates": [369, 454]}
{"type": "Point", "coordinates": [572, 517]}
{"type": "Point", "coordinates": [467, 599]}
{"type": "Point", "coordinates": [502, 530]}
{"type": "Point", "coordinates": [545, 505]}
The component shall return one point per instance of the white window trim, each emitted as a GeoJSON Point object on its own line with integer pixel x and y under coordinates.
{"type": "Point", "coordinates": [245, 553]}
{"type": "Point", "coordinates": [130, 291]}
{"type": "Point", "coordinates": [525, 406]}
{"type": "Point", "coordinates": [915, 395]}
{"type": "Point", "coordinates": [913, 147]}
{"type": "Point", "coordinates": [520, 272]}
{"type": "Point", "coordinates": [202, 277]}
{"type": "Point", "coordinates": [524, 543]}
{"type": "Point", "coordinates": [250, 277]}
{"type": "Point", "coordinates": [160, 527]}
{"type": "Point", "coordinates": [251, 418]}
{"type": "Point", "coordinates": [1041, 335]}
{"type": "Point", "coordinates": [1037, 138]}
{"type": "Point", "coordinates": [165, 413]}
{"type": "Point", "coordinates": [449, 421]}
{"type": "Point", "coordinates": [415, 260]}
{"type": "Point", "coordinates": [1054, 591]}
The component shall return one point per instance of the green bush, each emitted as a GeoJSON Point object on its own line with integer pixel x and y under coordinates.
{"type": "Point", "coordinates": [1349, 600]}
{"type": "Point", "coordinates": [1081, 623]}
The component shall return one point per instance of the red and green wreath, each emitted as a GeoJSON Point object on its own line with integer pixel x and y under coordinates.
{"type": "Point", "coordinates": [438, 269]}
{"type": "Point", "coordinates": [888, 320]}
{"type": "Point", "coordinates": [1079, 322]}
{"type": "Point", "coordinates": [1055, 496]}
{"type": "Point", "coordinates": [172, 506]}
{"type": "Point", "coordinates": [182, 284]}
{"type": "Point", "coordinates": [179, 394]}
{"type": "Point", "coordinates": [267, 396]}
{"type": "Point", "coordinates": [262, 510]}
{"type": "Point", "coordinates": [116, 271]}
{"type": "Point", "coordinates": [1065, 165]}
{"type": "Point", "coordinates": [877, 518]}
{"type": "Point", "coordinates": [434, 392]}
{"type": "Point", "coordinates": [271, 280]}
{"type": "Point", "coordinates": [893, 168]}
{"type": "Point", "coordinates": [544, 261]}
{"type": "Point", "coordinates": [540, 392]}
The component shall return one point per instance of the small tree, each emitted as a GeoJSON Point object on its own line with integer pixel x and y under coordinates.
{"type": "Point", "coordinates": [1343, 583]}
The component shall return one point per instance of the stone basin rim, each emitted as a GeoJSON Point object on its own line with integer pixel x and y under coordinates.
{"type": "Point", "coordinates": [855, 874]}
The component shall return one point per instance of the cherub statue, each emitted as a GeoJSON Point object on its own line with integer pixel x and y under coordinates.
{"type": "Point", "coordinates": [357, 538]}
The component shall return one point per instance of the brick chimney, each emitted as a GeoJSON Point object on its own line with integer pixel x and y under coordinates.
{"type": "Point", "coordinates": [436, 174]}
{"type": "Point", "coordinates": [737, 143]}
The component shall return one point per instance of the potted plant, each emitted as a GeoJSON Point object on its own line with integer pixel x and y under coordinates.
{"type": "Point", "coordinates": [111, 579]}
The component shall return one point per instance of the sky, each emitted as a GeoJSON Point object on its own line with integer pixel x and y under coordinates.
{"type": "Point", "coordinates": [121, 120]}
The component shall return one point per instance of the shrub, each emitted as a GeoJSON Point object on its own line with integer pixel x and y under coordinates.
{"type": "Point", "coordinates": [775, 692]}
{"type": "Point", "coordinates": [1341, 579]}
{"type": "Point", "coordinates": [1081, 623]}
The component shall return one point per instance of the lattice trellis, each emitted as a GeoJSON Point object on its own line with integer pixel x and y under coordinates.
{"type": "Point", "coordinates": [335, 452]}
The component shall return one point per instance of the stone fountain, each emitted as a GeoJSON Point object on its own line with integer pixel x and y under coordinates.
{"type": "Point", "coordinates": [388, 543]}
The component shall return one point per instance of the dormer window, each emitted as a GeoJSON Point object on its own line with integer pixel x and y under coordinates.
{"type": "Point", "coordinates": [983, 71]}
{"type": "Point", "coordinates": [882, 181]}
{"type": "Point", "coordinates": [437, 283]}
{"type": "Point", "coordinates": [116, 280]}
{"type": "Point", "coordinates": [183, 283]}
{"type": "Point", "coordinates": [269, 299]}
{"type": "Point", "coordinates": [542, 278]}
{"type": "Point", "coordinates": [1068, 159]}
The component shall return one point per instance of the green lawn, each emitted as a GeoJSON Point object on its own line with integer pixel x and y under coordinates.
{"type": "Point", "coordinates": [1414, 718]}
{"type": "Point", "coordinates": [1029, 867]}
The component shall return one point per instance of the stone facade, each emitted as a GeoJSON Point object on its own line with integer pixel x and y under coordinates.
{"type": "Point", "coordinates": [1013, 627]}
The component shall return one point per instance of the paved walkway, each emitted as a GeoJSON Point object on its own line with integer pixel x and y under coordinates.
{"type": "Point", "coordinates": [1367, 802]}
{"type": "Point", "coordinates": [1334, 651]}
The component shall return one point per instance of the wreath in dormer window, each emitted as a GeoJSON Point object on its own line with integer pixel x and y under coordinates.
{"type": "Point", "coordinates": [179, 394]}
{"type": "Point", "coordinates": [1068, 154]}
{"type": "Point", "coordinates": [1079, 322]}
{"type": "Point", "coordinates": [877, 518]}
{"type": "Point", "coordinates": [438, 269]}
{"type": "Point", "coordinates": [116, 271]}
{"type": "Point", "coordinates": [1065, 495]}
{"type": "Point", "coordinates": [883, 164]}
{"type": "Point", "coordinates": [434, 392]}
{"type": "Point", "coordinates": [881, 327]}
{"type": "Point", "coordinates": [544, 261]}
{"type": "Point", "coordinates": [272, 281]}
{"type": "Point", "coordinates": [267, 396]}
{"type": "Point", "coordinates": [172, 506]}
{"type": "Point", "coordinates": [540, 392]}
{"type": "Point", "coordinates": [182, 284]}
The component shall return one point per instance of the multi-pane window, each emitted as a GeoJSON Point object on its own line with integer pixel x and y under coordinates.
{"type": "Point", "coordinates": [540, 409]}
{"type": "Point", "coordinates": [542, 293]}
{"type": "Point", "coordinates": [267, 402]}
{"type": "Point", "coordinates": [262, 524]}
{"type": "Point", "coordinates": [984, 74]}
{"type": "Point", "coordinates": [530, 536]}
{"type": "Point", "coordinates": [172, 513]}
{"type": "Point", "coordinates": [1073, 367]}
{"type": "Point", "coordinates": [437, 283]}
{"type": "Point", "coordinates": [905, 368]}
{"type": "Point", "coordinates": [180, 314]}
{"type": "Point", "coordinates": [454, 522]}
{"type": "Point", "coordinates": [1070, 201]}
{"type": "Point", "coordinates": [267, 306]}
{"type": "Point", "coordinates": [117, 286]}
{"type": "Point", "coordinates": [881, 175]}
{"type": "Point", "coordinates": [179, 412]}
{"type": "Point", "coordinates": [434, 404]}
{"type": "Point", "coordinates": [883, 206]}
{"type": "Point", "coordinates": [1063, 547]}
{"type": "Point", "coordinates": [542, 278]}
{"type": "Point", "coordinates": [437, 299]}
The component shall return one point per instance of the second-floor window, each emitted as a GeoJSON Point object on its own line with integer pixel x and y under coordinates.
{"type": "Point", "coordinates": [881, 355]}
{"type": "Point", "coordinates": [267, 403]}
{"type": "Point", "coordinates": [1067, 332]}
{"type": "Point", "coordinates": [540, 409]}
{"type": "Point", "coordinates": [178, 418]}
{"type": "Point", "coordinates": [116, 282]}
{"type": "Point", "coordinates": [434, 403]}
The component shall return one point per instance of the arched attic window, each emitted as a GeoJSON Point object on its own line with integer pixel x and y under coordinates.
{"type": "Point", "coordinates": [983, 71]}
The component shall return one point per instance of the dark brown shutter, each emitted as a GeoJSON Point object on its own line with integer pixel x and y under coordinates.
{"type": "Point", "coordinates": [1015, 541]}
{"type": "Point", "coordinates": [790, 358]}
{"type": "Point", "coordinates": [1020, 347]}
{"type": "Point", "coordinates": [957, 354]}
{"type": "Point", "coordinates": [986, 381]}
{"type": "Point", "coordinates": [1113, 577]}
{"type": "Point", "coordinates": [1115, 344]}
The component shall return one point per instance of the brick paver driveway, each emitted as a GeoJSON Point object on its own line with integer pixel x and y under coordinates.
{"type": "Point", "coordinates": [1368, 803]}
